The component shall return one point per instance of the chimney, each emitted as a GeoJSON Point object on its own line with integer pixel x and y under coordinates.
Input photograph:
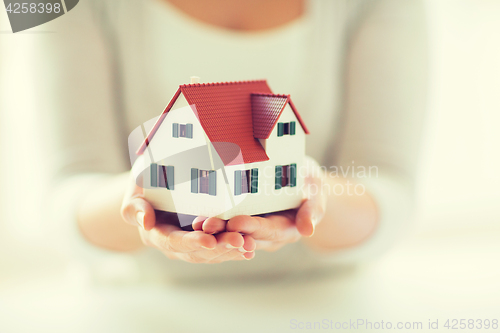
{"type": "Point", "coordinates": [195, 79]}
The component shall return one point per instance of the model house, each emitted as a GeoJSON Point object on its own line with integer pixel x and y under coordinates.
{"type": "Point", "coordinates": [225, 149]}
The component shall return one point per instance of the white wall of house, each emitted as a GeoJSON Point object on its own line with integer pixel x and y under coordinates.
{"type": "Point", "coordinates": [183, 154]}
{"type": "Point", "coordinates": [164, 144]}
{"type": "Point", "coordinates": [283, 150]}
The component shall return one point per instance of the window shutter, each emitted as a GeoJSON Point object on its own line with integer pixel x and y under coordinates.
{"type": "Point", "coordinates": [162, 173]}
{"type": "Point", "coordinates": [280, 129]}
{"type": "Point", "coordinates": [212, 182]}
{"type": "Point", "coordinates": [182, 130]}
{"type": "Point", "coordinates": [277, 177]}
{"type": "Point", "coordinates": [170, 177]}
{"type": "Point", "coordinates": [255, 181]}
{"type": "Point", "coordinates": [154, 174]}
{"type": "Point", "coordinates": [175, 130]}
{"type": "Point", "coordinates": [293, 175]}
{"type": "Point", "coordinates": [237, 182]}
{"type": "Point", "coordinates": [189, 131]}
{"type": "Point", "coordinates": [194, 180]}
{"type": "Point", "coordinates": [292, 128]}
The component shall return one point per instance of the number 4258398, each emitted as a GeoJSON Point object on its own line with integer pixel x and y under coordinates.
{"type": "Point", "coordinates": [25, 8]}
{"type": "Point", "coordinates": [455, 324]}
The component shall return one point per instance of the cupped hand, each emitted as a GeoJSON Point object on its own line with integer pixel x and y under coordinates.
{"type": "Point", "coordinates": [158, 231]}
{"type": "Point", "coordinates": [197, 246]}
{"type": "Point", "coordinates": [273, 231]}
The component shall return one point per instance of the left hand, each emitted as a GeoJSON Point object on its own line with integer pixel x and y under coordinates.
{"type": "Point", "coordinates": [273, 231]}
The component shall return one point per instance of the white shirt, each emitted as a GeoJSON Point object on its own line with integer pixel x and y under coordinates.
{"type": "Point", "coordinates": [356, 71]}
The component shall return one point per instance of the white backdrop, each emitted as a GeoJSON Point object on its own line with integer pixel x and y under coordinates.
{"type": "Point", "coordinates": [460, 174]}
{"type": "Point", "coordinates": [459, 188]}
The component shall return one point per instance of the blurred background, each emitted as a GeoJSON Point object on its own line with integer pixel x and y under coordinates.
{"type": "Point", "coordinates": [448, 268]}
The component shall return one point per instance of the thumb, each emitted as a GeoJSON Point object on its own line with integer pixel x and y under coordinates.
{"type": "Point", "coordinates": [139, 212]}
{"type": "Point", "coordinates": [313, 208]}
{"type": "Point", "coordinates": [308, 216]}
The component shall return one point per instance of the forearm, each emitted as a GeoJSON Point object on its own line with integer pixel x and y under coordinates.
{"type": "Point", "coordinates": [351, 217]}
{"type": "Point", "coordinates": [99, 217]}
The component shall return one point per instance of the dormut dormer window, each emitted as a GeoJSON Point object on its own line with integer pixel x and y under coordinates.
{"type": "Point", "coordinates": [182, 130]}
{"type": "Point", "coordinates": [286, 128]}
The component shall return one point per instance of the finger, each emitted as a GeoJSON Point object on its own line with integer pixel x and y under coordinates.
{"type": "Point", "coordinates": [268, 245]}
{"type": "Point", "coordinates": [231, 240]}
{"type": "Point", "coordinates": [205, 257]}
{"type": "Point", "coordinates": [263, 244]}
{"type": "Point", "coordinates": [313, 208]}
{"type": "Point", "coordinates": [309, 215]}
{"type": "Point", "coordinates": [245, 252]}
{"type": "Point", "coordinates": [305, 220]}
{"type": "Point", "coordinates": [273, 227]}
{"type": "Point", "coordinates": [227, 249]}
{"type": "Point", "coordinates": [198, 222]}
{"type": "Point", "coordinates": [170, 237]}
{"type": "Point", "coordinates": [233, 256]}
{"type": "Point", "coordinates": [139, 212]}
{"type": "Point", "coordinates": [214, 225]}
{"type": "Point", "coordinates": [249, 255]}
{"type": "Point", "coordinates": [209, 257]}
{"type": "Point", "coordinates": [249, 244]}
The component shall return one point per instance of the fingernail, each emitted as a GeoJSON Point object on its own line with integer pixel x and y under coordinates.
{"type": "Point", "coordinates": [140, 218]}
{"type": "Point", "coordinates": [250, 257]}
{"type": "Point", "coordinates": [229, 246]}
{"type": "Point", "coordinates": [208, 248]}
{"type": "Point", "coordinates": [314, 229]}
{"type": "Point", "coordinates": [242, 250]}
{"type": "Point", "coordinates": [199, 219]}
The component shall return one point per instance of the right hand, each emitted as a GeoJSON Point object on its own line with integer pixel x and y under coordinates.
{"type": "Point", "coordinates": [157, 231]}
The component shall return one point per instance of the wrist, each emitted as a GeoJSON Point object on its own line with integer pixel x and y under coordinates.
{"type": "Point", "coordinates": [350, 218]}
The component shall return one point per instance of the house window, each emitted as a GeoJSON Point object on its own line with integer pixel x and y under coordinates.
{"type": "Point", "coordinates": [182, 130]}
{"type": "Point", "coordinates": [162, 176]}
{"type": "Point", "coordinates": [286, 128]}
{"type": "Point", "coordinates": [246, 181]}
{"type": "Point", "coordinates": [285, 175]}
{"type": "Point", "coordinates": [204, 181]}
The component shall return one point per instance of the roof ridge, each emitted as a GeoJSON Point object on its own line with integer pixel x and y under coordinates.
{"type": "Point", "coordinates": [270, 94]}
{"type": "Point", "coordinates": [219, 83]}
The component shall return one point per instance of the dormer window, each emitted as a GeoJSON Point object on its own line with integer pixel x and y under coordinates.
{"type": "Point", "coordinates": [286, 128]}
{"type": "Point", "coordinates": [182, 130]}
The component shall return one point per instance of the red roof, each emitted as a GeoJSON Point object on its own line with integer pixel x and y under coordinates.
{"type": "Point", "coordinates": [226, 114]}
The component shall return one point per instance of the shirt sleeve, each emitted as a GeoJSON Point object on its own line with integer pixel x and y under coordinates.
{"type": "Point", "coordinates": [77, 98]}
{"type": "Point", "coordinates": [385, 104]}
